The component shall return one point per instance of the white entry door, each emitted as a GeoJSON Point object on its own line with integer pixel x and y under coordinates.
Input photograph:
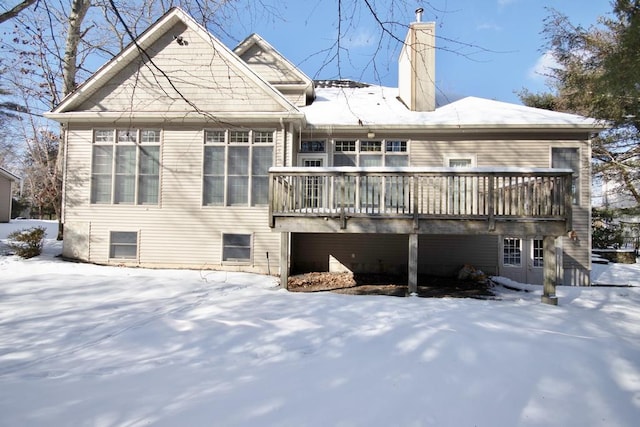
{"type": "Point", "coordinates": [313, 191]}
{"type": "Point", "coordinates": [521, 259]}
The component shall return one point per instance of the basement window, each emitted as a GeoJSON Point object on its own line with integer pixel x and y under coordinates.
{"type": "Point", "coordinates": [236, 248]}
{"type": "Point", "coordinates": [123, 245]}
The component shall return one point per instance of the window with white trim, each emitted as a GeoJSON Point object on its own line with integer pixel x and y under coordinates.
{"type": "Point", "coordinates": [123, 244]}
{"type": "Point", "coordinates": [375, 191]}
{"type": "Point", "coordinates": [313, 146]}
{"type": "Point", "coordinates": [344, 153]}
{"type": "Point", "coordinates": [236, 248]}
{"type": "Point", "coordinates": [537, 253]}
{"type": "Point", "coordinates": [125, 167]}
{"type": "Point", "coordinates": [512, 252]}
{"type": "Point", "coordinates": [364, 153]}
{"type": "Point", "coordinates": [395, 153]}
{"type": "Point", "coordinates": [236, 167]}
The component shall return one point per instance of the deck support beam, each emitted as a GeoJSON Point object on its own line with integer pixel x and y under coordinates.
{"type": "Point", "coordinates": [284, 259]}
{"type": "Point", "coordinates": [413, 263]}
{"type": "Point", "coordinates": [549, 270]}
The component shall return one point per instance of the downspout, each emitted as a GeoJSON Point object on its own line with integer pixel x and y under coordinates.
{"type": "Point", "coordinates": [284, 142]}
{"type": "Point", "coordinates": [64, 173]}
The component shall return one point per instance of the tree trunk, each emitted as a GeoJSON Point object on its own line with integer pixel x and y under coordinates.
{"type": "Point", "coordinates": [79, 10]}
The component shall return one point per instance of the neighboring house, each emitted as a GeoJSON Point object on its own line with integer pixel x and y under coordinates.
{"type": "Point", "coordinates": [183, 153]}
{"type": "Point", "coordinates": [611, 194]}
{"type": "Point", "coordinates": [6, 194]}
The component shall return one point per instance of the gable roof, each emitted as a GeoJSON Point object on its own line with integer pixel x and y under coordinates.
{"type": "Point", "coordinates": [278, 66]}
{"type": "Point", "coordinates": [8, 175]}
{"type": "Point", "coordinates": [279, 61]}
{"type": "Point", "coordinates": [379, 107]}
{"type": "Point", "coordinates": [146, 39]}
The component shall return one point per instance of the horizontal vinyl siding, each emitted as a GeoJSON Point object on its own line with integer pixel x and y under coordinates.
{"type": "Point", "coordinates": [360, 253]}
{"type": "Point", "coordinates": [179, 231]}
{"type": "Point", "coordinates": [179, 241]}
{"type": "Point", "coordinates": [77, 179]}
{"type": "Point", "coordinates": [512, 153]}
{"type": "Point", "coordinates": [201, 75]}
{"type": "Point", "coordinates": [5, 199]}
{"type": "Point", "coordinates": [299, 99]}
{"type": "Point", "coordinates": [437, 255]}
{"type": "Point", "coordinates": [268, 66]}
{"type": "Point", "coordinates": [524, 153]}
{"type": "Point", "coordinates": [441, 255]}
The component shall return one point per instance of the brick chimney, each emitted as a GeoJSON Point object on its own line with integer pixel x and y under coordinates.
{"type": "Point", "coordinates": [417, 67]}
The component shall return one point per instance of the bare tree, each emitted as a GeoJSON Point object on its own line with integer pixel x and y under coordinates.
{"type": "Point", "coordinates": [53, 45]}
{"type": "Point", "coordinates": [14, 11]}
{"type": "Point", "coordinates": [54, 42]}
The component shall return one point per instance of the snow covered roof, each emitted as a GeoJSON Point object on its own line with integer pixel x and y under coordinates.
{"type": "Point", "coordinates": [379, 107]}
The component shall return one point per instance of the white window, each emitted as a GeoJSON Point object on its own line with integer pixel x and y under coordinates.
{"type": "Point", "coordinates": [236, 167]}
{"type": "Point", "coordinates": [396, 154]}
{"type": "Point", "coordinates": [123, 170]}
{"type": "Point", "coordinates": [236, 248]}
{"type": "Point", "coordinates": [460, 162]}
{"type": "Point", "coordinates": [537, 253]}
{"type": "Point", "coordinates": [367, 153]}
{"type": "Point", "coordinates": [512, 252]}
{"type": "Point", "coordinates": [314, 146]}
{"type": "Point", "coordinates": [123, 245]}
{"type": "Point", "coordinates": [345, 153]}
{"type": "Point", "coordinates": [375, 192]}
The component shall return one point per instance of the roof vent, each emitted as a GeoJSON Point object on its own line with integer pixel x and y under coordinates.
{"type": "Point", "coordinates": [419, 14]}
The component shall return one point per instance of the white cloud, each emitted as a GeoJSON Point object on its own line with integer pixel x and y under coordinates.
{"type": "Point", "coordinates": [489, 26]}
{"type": "Point", "coordinates": [361, 38]}
{"type": "Point", "coordinates": [543, 66]}
{"type": "Point", "coordinates": [503, 3]}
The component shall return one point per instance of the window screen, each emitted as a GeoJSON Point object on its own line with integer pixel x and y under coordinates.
{"type": "Point", "coordinates": [123, 244]}
{"type": "Point", "coordinates": [236, 247]}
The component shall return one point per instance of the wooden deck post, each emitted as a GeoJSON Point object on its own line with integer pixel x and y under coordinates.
{"type": "Point", "coordinates": [413, 263]}
{"type": "Point", "coordinates": [550, 271]}
{"type": "Point", "coordinates": [284, 259]}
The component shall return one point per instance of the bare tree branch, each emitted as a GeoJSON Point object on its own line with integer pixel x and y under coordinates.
{"type": "Point", "coordinates": [13, 12]}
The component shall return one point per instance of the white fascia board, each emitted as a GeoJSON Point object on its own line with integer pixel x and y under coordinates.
{"type": "Point", "coordinates": [146, 39]}
{"type": "Point", "coordinates": [93, 116]}
{"type": "Point", "coordinates": [10, 176]}
{"type": "Point", "coordinates": [452, 128]}
{"type": "Point", "coordinates": [419, 170]}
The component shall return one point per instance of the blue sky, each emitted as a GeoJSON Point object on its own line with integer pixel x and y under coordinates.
{"type": "Point", "coordinates": [490, 48]}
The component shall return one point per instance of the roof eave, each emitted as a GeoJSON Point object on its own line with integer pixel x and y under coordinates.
{"type": "Point", "coordinates": [449, 128]}
{"type": "Point", "coordinates": [182, 117]}
{"type": "Point", "coordinates": [148, 37]}
{"type": "Point", "coordinates": [112, 66]}
{"type": "Point", "coordinates": [10, 176]}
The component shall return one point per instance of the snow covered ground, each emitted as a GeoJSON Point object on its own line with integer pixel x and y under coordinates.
{"type": "Point", "coordinates": [85, 345]}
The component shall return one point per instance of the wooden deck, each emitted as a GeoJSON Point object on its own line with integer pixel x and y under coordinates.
{"type": "Point", "coordinates": [421, 200]}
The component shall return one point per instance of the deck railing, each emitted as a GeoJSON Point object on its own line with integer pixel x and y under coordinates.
{"type": "Point", "coordinates": [421, 193]}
